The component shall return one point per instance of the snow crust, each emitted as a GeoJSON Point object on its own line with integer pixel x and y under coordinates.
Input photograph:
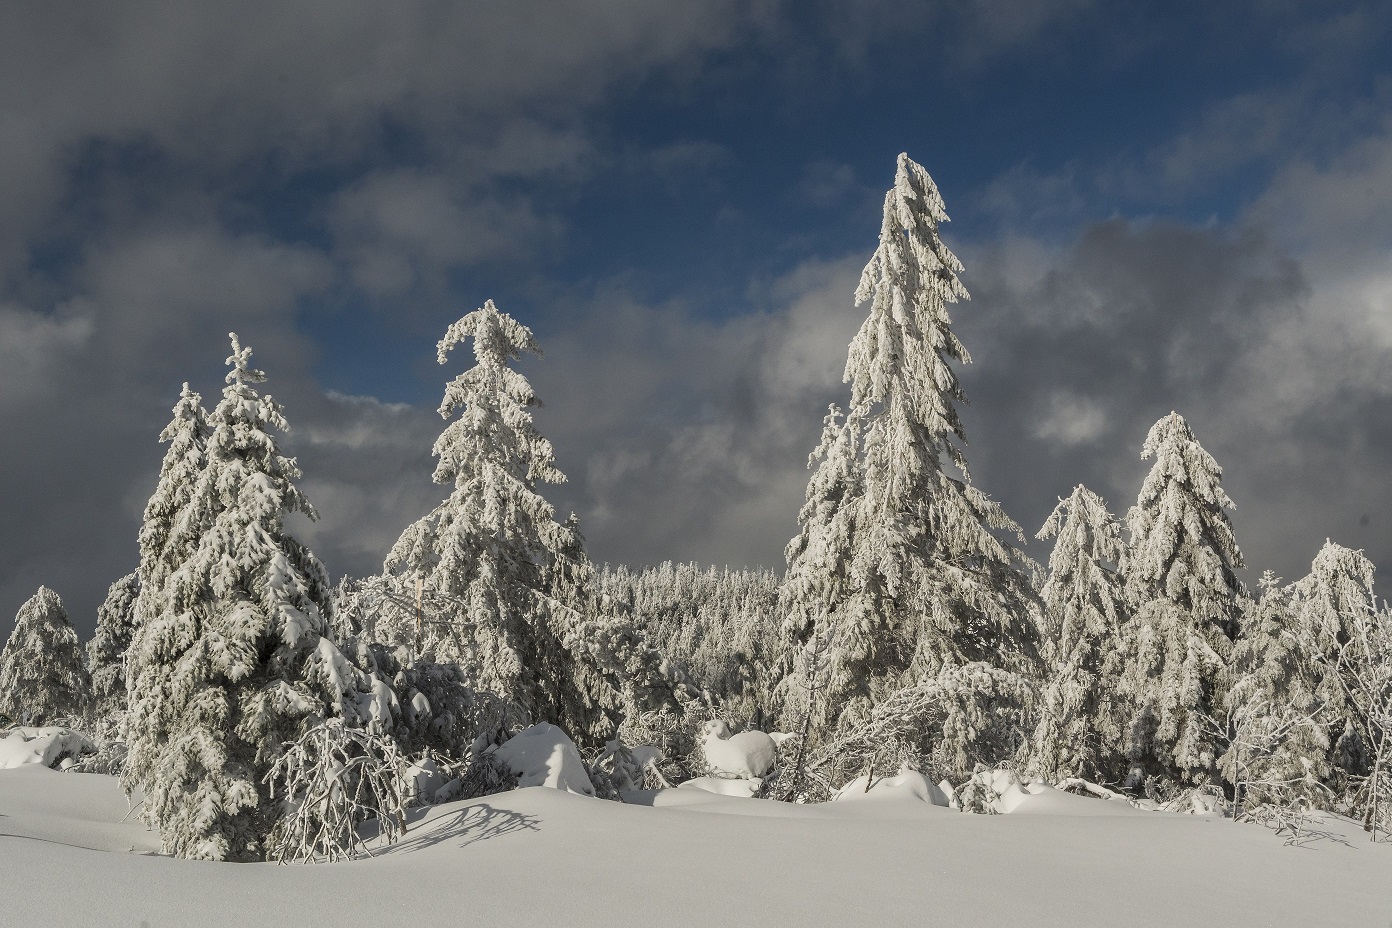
{"type": "Point", "coordinates": [543, 755]}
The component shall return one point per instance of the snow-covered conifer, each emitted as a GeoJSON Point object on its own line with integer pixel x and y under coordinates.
{"type": "Point", "coordinates": [220, 674]}
{"type": "Point", "coordinates": [937, 576]}
{"type": "Point", "coordinates": [43, 671]}
{"type": "Point", "coordinates": [1180, 569]}
{"type": "Point", "coordinates": [1328, 605]}
{"type": "Point", "coordinates": [717, 627]}
{"type": "Point", "coordinates": [1272, 713]}
{"type": "Point", "coordinates": [523, 618]}
{"type": "Point", "coordinates": [106, 652]}
{"type": "Point", "coordinates": [931, 582]}
{"type": "Point", "coordinates": [1079, 732]}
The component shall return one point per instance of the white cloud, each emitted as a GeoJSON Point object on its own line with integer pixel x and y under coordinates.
{"type": "Point", "coordinates": [1071, 420]}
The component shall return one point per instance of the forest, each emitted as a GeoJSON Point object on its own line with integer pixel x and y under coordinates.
{"type": "Point", "coordinates": [261, 710]}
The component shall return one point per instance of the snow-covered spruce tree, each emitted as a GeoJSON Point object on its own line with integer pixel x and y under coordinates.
{"type": "Point", "coordinates": [1272, 713]}
{"type": "Point", "coordinates": [524, 623]}
{"type": "Point", "coordinates": [106, 652]}
{"type": "Point", "coordinates": [232, 664]}
{"type": "Point", "coordinates": [1180, 571]}
{"type": "Point", "coordinates": [1080, 726]}
{"type": "Point", "coordinates": [1329, 604]}
{"type": "Point", "coordinates": [43, 671]}
{"type": "Point", "coordinates": [930, 582]}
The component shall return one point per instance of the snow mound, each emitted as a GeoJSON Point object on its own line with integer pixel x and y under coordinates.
{"type": "Point", "coordinates": [750, 754]}
{"type": "Point", "coordinates": [49, 747]}
{"type": "Point", "coordinates": [739, 787]}
{"type": "Point", "coordinates": [543, 755]}
{"type": "Point", "coordinates": [908, 785]}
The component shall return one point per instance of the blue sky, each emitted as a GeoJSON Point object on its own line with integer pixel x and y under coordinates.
{"type": "Point", "coordinates": [1159, 205]}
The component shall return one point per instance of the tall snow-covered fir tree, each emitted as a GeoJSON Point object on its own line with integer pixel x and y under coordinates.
{"type": "Point", "coordinates": [230, 665]}
{"type": "Point", "coordinates": [932, 583]}
{"type": "Point", "coordinates": [1180, 570]}
{"type": "Point", "coordinates": [43, 671]}
{"type": "Point", "coordinates": [106, 652]}
{"type": "Point", "coordinates": [1328, 604]}
{"type": "Point", "coordinates": [521, 587]}
{"type": "Point", "coordinates": [1080, 726]}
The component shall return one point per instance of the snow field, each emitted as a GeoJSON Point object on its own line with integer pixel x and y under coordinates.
{"type": "Point", "coordinates": [547, 857]}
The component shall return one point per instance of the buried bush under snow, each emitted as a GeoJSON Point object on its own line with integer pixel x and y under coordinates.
{"type": "Point", "coordinates": [543, 755]}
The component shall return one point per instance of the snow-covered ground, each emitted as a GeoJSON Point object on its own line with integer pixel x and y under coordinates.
{"type": "Point", "coordinates": [542, 856]}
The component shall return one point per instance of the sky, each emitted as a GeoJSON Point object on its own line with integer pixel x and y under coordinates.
{"type": "Point", "coordinates": [1160, 206]}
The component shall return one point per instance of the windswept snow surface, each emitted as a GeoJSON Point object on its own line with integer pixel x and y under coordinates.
{"type": "Point", "coordinates": [681, 857]}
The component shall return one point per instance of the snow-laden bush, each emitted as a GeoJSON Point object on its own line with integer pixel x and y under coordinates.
{"type": "Point", "coordinates": [614, 770]}
{"type": "Point", "coordinates": [907, 784]}
{"type": "Point", "coordinates": [985, 792]}
{"type": "Point", "coordinates": [331, 781]}
{"type": "Point", "coordinates": [107, 735]}
{"type": "Point", "coordinates": [947, 724]}
{"type": "Point", "coordinates": [676, 736]}
{"type": "Point", "coordinates": [747, 755]}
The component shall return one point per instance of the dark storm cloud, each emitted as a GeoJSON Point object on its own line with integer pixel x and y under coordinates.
{"type": "Point", "coordinates": [1080, 354]}
{"type": "Point", "coordinates": [147, 148]}
{"type": "Point", "coordinates": [133, 139]}
{"type": "Point", "coordinates": [686, 438]}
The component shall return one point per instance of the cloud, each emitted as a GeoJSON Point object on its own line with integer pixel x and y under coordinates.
{"type": "Point", "coordinates": [827, 183]}
{"type": "Point", "coordinates": [687, 438]}
{"type": "Point", "coordinates": [1286, 387]}
{"type": "Point", "coordinates": [172, 174]}
{"type": "Point", "coordinates": [1071, 420]}
{"type": "Point", "coordinates": [157, 163]}
{"type": "Point", "coordinates": [86, 387]}
{"type": "Point", "coordinates": [403, 229]}
{"type": "Point", "coordinates": [975, 32]}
